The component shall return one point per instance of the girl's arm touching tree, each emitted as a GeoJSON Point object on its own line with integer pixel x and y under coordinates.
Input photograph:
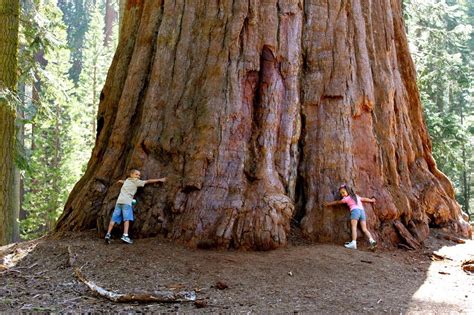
{"type": "Point", "coordinates": [333, 203]}
{"type": "Point", "coordinates": [369, 200]}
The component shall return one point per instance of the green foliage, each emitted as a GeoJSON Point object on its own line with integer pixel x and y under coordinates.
{"type": "Point", "coordinates": [95, 65]}
{"type": "Point", "coordinates": [441, 40]}
{"type": "Point", "coordinates": [58, 114]}
{"type": "Point", "coordinates": [48, 182]}
{"type": "Point", "coordinates": [76, 18]}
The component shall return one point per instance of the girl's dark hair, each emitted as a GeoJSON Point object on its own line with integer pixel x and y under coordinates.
{"type": "Point", "coordinates": [350, 191]}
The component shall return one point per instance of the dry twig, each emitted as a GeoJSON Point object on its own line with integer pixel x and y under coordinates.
{"type": "Point", "coordinates": [434, 256]}
{"type": "Point", "coordinates": [157, 296]}
{"type": "Point", "coordinates": [468, 266]}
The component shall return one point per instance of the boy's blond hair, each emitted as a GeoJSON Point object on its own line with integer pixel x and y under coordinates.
{"type": "Point", "coordinates": [133, 170]}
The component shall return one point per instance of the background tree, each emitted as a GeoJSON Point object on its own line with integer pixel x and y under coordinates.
{"type": "Point", "coordinates": [110, 18]}
{"type": "Point", "coordinates": [97, 56]}
{"type": "Point", "coordinates": [58, 116]}
{"type": "Point", "coordinates": [36, 40]}
{"type": "Point", "coordinates": [256, 112]}
{"type": "Point", "coordinates": [76, 17]}
{"type": "Point", "coordinates": [441, 39]}
{"type": "Point", "coordinates": [47, 177]}
{"type": "Point", "coordinates": [9, 17]}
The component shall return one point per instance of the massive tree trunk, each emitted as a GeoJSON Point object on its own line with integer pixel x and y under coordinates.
{"type": "Point", "coordinates": [9, 14]}
{"type": "Point", "coordinates": [256, 111]}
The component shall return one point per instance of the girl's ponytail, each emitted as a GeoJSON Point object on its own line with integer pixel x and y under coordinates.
{"type": "Point", "coordinates": [350, 191]}
{"type": "Point", "coordinates": [352, 194]}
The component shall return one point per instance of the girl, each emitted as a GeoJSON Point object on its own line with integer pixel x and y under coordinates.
{"type": "Point", "coordinates": [357, 214]}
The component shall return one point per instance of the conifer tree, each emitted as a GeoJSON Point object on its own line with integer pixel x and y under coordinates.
{"type": "Point", "coordinates": [9, 21]}
{"type": "Point", "coordinates": [51, 167]}
{"type": "Point", "coordinates": [440, 33]}
{"type": "Point", "coordinates": [96, 61]}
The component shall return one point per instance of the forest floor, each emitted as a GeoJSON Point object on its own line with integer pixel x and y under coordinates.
{"type": "Point", "coordinates": [37, 276]}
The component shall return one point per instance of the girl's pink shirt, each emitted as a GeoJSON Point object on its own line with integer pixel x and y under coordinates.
{"type": "Point", "coordinates": [352, 204]}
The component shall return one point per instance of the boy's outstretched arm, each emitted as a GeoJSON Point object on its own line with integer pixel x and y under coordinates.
{"type": "Point", "coordinates": [333, 203]}
{"type": "Point", "coordinates": [152, 181]}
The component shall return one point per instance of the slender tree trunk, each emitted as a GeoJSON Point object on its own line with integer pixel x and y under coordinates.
{"type": "Point", "coordinates": [110, 18]}
{"type": "Point", "coordinates": [122, 4]}
{"type": "Point", "coordinates": [464, 177]}
{"type": "Point", "coordinates": [9, 15]}
{"type": "Point", "coordinates": [16, 204]}
{"type": "Point", "coordinates": [55, 164]}
{"type": "Point", "coordinates": [17, 184]}
{"type": "Point", "coordinates": [94, 102]}
{"type": "Point", "coordinates": [257, 111]}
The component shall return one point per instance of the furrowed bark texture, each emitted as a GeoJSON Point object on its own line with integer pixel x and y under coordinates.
{"type": "Point", "coordinates": [256, 111]}
{"type": "Point", "coordinates": [9, 11]}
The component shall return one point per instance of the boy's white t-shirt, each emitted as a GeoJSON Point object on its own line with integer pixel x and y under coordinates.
{"type": "Point", "coordinates": [128, 190]}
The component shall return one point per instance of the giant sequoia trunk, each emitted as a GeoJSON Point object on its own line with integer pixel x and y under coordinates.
{"type": "Point", "coordinates": [256, 111]}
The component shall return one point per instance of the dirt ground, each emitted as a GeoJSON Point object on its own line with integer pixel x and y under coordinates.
{"type": "Point", "coordinates": [36, 276]}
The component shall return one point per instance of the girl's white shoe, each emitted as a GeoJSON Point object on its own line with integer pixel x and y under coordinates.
{"type": "Point", "coordinates": [351, 245]}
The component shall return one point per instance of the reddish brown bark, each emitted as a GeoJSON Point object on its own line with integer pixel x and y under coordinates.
{"type": "Point", "coordinates": [256, 112]}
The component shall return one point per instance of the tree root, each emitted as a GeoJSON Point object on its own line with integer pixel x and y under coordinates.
{"type": "Point", "coordinates": [156, 296]}
{"type": "Point", "coordinates": [410, 241]}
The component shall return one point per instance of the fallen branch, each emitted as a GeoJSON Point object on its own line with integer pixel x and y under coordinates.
{"type": "Point", "coordinates": [9, 270]}
{"type": "Point", "coordinates": [17, 269]}
{"type": "Point", "coordinates": [434, 256]}
{"type": "Point", "coordinates": [468, 266]}
{"type": "Point", "coordinates": [156, 296]}
{"type": "Point", "coordinates": [366, 261]}
{"type": "Point", "coordinates": [450, 238]}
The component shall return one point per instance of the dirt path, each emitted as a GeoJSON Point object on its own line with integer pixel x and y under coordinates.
{"type": "Point", "coordinates": [305, 278]}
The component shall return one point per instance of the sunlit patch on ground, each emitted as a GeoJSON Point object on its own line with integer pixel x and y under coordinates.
{"type": "Point", "coordinates": [11, 254]}
{"type": "Point", "coordinates": [443, 279]}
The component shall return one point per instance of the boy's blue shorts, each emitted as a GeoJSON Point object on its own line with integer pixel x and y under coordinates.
{"type": "Point", "coordinates": [358, 214]}
{"type": "Point", "coordinates": [122, 212]}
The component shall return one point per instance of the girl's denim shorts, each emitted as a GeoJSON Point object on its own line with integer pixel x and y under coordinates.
{"type": "Point", "coordinates": [358, 214]}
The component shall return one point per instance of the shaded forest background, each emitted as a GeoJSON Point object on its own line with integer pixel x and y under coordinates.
{"type": "Point", "coordinates": [66, 47]}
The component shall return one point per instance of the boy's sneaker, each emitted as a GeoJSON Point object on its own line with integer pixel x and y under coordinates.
{"type": "Point", "coordinates": [107, 238]}
{"type": "Point", "coordinates": [351, 245]}
{"type": "Point", "coordinates": [373, 244]}
{"type": "Point", "coordinates": [126, 239]}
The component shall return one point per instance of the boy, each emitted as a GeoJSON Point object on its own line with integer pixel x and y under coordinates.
{"type": "Point", "coordinates": [123, 208]}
